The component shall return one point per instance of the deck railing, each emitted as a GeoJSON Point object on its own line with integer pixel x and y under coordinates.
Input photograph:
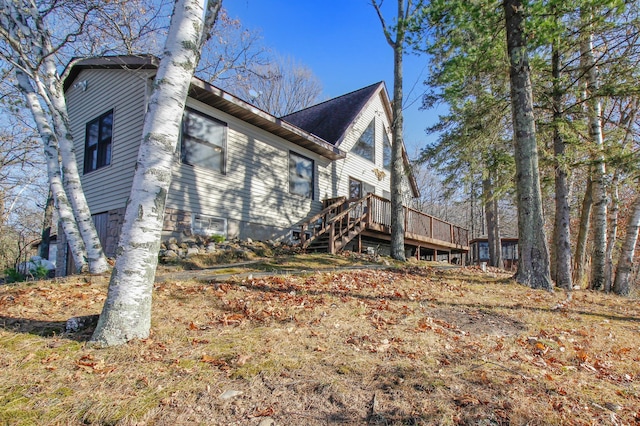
{"type": "Point", "coordinates": [418, 223]}
{"type": "Point", "coordinates": [341, 216]}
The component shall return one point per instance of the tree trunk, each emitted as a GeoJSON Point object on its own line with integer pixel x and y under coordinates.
{"type": "Point", "coordinates": [580, 260]}
{"type": "Point", "coordinates": [41, 66]}
{"type": "Point", "coordinates": [496, 233]}
{"type": "Point", "coordinates": [562, 230]}
{"type": "Point", "coordinates": [491, 217]}
{"type": "Point", "coordinates": [533, 263]}
{"type": "Point", "coordinates": [595, 132]}
{"type": "Point", "coordinates": [397, 127]}
{"type": "Point", "coordinates": [622, 285]}
{"type": "Point", "coordinates": [127, 311]}
{"type": "Point", "coordinates": [65, 213]}
{"type": "Point", "coordinates": [71, 177]}
{"type": "Point", "coordinates": [613, 231]}
{"type": "Point", "coordinates": [46, 227]}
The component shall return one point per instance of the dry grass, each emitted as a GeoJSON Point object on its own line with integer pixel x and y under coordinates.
{"type": "Point", "coordinates": [403, 346]}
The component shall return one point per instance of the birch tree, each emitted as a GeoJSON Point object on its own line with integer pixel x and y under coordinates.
{"type": "Point", "coordinates": [533, 260]}
{"type": "Point", "coordinates": [29, 48]}
{"type": "Point", "coordinates": [127, 310]}
{"type": "Point", "coordinates": [52, 153]}
{"type": "Point", "coordinates": [594, 111]}
{"type": "Point", "coordinates": [621, 284]}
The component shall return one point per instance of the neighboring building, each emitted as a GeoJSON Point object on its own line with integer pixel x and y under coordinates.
{"type": "Point", "coordinates": [239, 171]}
{"type": "Point", "coordinates": [479, 252]}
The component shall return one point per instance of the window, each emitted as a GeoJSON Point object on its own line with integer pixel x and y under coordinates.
{"type": "Point", "coordinates": [203, 141]}
{"type": "Point", "coordinates": [208, 225]}
{"type": "Point", "coordinates": [483, 250]}
{"type": "Point", "coordinates": [97, 145]}
{"type": "Point", "coordinates": [355, 189]}
{"type": "Point", "coordinates": [386, 152]}
{"type": "Point", "coordinates": [365, 145]}
{"type": "Point", "coordinates": [300, 175]}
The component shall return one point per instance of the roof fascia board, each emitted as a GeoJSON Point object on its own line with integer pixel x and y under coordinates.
{"type": "Point", "coordinates": [326, 149]}
{"type": "Point", "coordinates": [261, 118]}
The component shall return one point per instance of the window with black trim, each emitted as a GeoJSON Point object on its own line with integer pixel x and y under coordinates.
{"type": "Point", "coordinates": [366, 143]}
{"type": "Point", "coordinates": [97, 144]}
{"type": "Point", "coordinates": [204, 141]}
{"type": "Point", "coordinates": [300, 175]}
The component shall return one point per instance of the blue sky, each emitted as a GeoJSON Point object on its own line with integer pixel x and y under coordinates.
{"type": "Point", "coordinates": [342, 42]}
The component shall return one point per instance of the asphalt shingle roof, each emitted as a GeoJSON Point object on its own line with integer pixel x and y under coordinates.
{"type": "Point", "coordinates": [330, 119]}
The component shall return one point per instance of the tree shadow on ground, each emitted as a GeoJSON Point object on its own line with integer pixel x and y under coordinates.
{"type": "Point", "coordinates": [50, 328]}
{"type": "Point", "coordinates": [397, 297]}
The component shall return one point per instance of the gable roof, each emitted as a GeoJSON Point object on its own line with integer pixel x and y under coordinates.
{"type": "Point", "coordinates": [331, 119]}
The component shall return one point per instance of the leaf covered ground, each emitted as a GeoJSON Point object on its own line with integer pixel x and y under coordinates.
{"type": "Point", "coordinates": [410, 345]}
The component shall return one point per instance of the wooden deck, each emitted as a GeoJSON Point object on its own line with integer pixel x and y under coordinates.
{"type": "Point", "coordinates": [343, 220]}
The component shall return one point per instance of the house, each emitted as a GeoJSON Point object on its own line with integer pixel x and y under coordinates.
{"type": "Point", "coordinates": [239, 171]}
{"type": "Point", "coordinates": [479, 252]}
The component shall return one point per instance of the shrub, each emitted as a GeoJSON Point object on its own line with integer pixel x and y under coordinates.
{"type": "Point", "coordinates": [216, 238]}
{"type": "Point", "coordinates": [13, 276]}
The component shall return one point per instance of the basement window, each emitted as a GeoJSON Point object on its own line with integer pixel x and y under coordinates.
{"type": "Point", "coordinates": [208, 226]}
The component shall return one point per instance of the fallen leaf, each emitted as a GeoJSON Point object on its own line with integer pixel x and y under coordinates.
{"type": "Point", "coordinates": [242, 360]}
{"type": "Point", "coordinates": [269, 411]}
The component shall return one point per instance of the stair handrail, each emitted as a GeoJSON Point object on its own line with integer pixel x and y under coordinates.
{"type": "Point", "coordinates": [304, 241]}
{"type": "Point", "coordinates": [352, 207]}
{"type": "Point", "coordinates": [334, 234]}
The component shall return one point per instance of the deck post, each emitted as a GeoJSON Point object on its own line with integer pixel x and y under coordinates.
{"type": "Point", "coordinates": [406, 220]}
{"type": "Point", "coordinates": [418, 253]}
{"type": "Point", "coordinates": [303, 235]}
{"type": "Point", "coordinates": [359, 243]}
{"type": "Point", "coordinates": [332, 242]}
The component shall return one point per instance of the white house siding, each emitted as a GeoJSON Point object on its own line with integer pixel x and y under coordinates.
{"type": "Point", "coordinates": [253, 196]}
{"type": "Point", "coordinates": [336, 175]}
{"type": "Point", "coordinates": [124, 91]}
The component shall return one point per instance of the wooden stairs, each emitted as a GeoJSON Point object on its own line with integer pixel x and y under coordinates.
{"type": "Point", "coordinates": [336, 225]}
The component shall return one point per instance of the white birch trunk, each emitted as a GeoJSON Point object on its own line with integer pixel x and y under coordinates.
{"type": "Point", "coordinates": [621, 284]}
{"type": "Point", "coordinates": [71, 177]}
{"type": "Point", "coordinates": [599, 215]}
{"type": "Point", "coordinates": [51, 153]}
{"type": "Point", "coordinates": [30, 46]}
{"type": "Point", "coordinates": [127, 311]}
